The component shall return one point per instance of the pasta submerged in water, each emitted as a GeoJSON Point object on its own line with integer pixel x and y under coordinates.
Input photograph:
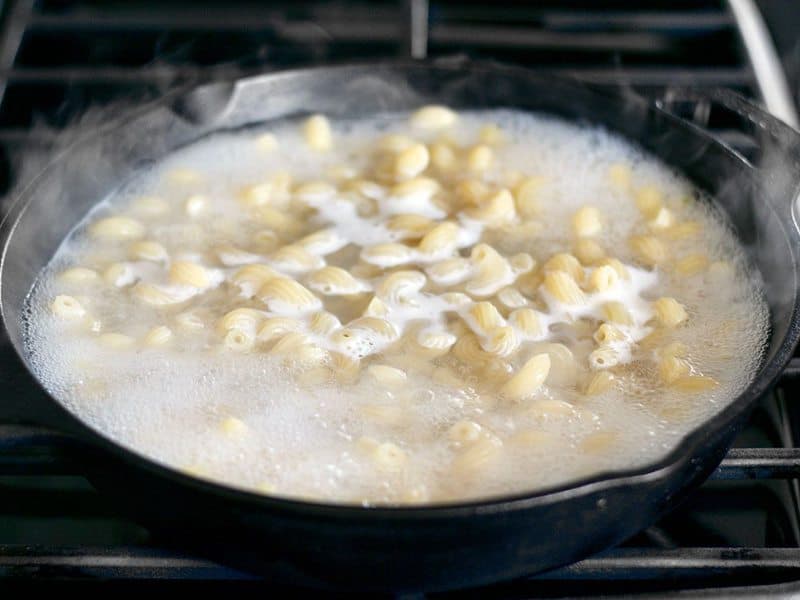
{"type": "Point", "coordinates": [414, 308]}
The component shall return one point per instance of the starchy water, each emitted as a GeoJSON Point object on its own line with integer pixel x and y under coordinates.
{"type": "Point", "coordinates": [307, 407]}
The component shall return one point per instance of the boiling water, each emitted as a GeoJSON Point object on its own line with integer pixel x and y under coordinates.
{"type": "Point", "coordinates": [257, 420]}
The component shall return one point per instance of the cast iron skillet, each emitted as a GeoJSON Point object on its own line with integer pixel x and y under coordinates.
{"type": "Point", "coordinates": [433, 547]}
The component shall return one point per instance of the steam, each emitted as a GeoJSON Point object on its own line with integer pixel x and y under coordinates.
{"type": "Point", "coordinates": [105, 145]}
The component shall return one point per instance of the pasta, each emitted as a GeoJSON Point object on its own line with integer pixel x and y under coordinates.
{"type": "Point", "coordinates": [563, 367]}
{"type": "Point", "coordinates": [677, 349]}
{"type": "Point", "coordinates": [399, 285]}
{"type": "Point", "coordinates": [672, 368]}
{"type": "Point", "coordinates": [79, 275]}
{"type": "Point", "coordinates": [620, 176]}
{"type": "Point", "coordinates": [479, 158]}
{"type": "Point", "coordinates": [266, 240]}
{"type": "Point", "coordinates": [384, 414]}
{"type": "Point", "coordinates": [478, 455]}
{"type": "Point", "coordinates": [526, 320]}
{"type": "Point", "coordinates": [662, 219]}
{"type": "Point", "coordinates": [234, 427]}
{"type": "Point", "coordinates": [387, 255]}
{"type": "Point", "coordinates": [189, 274]}
{"type": "Point", "coordinates": [411, 161]}
{"type": "Point", "coordinates": [669, 312]}
{"type": "Point", "coordinates": [390, 457]}
{"type": "Point", "coordinates": [410, 225]}
{"type": "Point", "coordinates": [615, 264]}
{"type": "Point", "coordinates": [250, 278]}
{"type": "Point", "coordinates": [345, 366]}
{"type": "Point", "coordinates": [153, 295]}
{"type": "Point", "coordinates": [440, 239]}
{"type": "Point", "coordinates": [387, 376]}
{"type": "Point", "coordinates": [563, 287]}
{"type": "Point", "coordinates": [284, 295]}
{"type": "Point", "coordinates": [649, 250]}
{"type": "Point", "coordinates": [566, 263]}
{"type": "Point", "coordinates": [528, 379]}
{"type": "Point", "coordinates": [382, 327]}
{"type": "Point", "coordinates": [522, 263]}
{"type": "Point", "coordinates": [603, 278]}
{"type": "Point", "coordinates": [492, 271]}
{"type": "Point", "coordinates": [468, 350]}
{"type": "Point", "coordinates": [684, 230]}
{"type": "Point", "coordinates": [324, 323]}
{"type": "Point", "coordinates": [417, 308]}
{"type": "Point", "coordinates": [158, 336]}
{"type": "Point", "coordinates": [231, 256]}
{"type": "Point", "coordinates": [118, 228]}
{"type": "Point", "coordinates": [464, 432]}
{"type": "Point", "coordinates": [496, 210]}
{"type": "Point", "coordinates": [149, 250]}
{"type": "Point", "coordinates": [694, 383]}
{"type": "Point", "coordinates": [317, 131]}
{"type": "Point", "coordinates": [184, 176]}
{"type": "Point", "coordinates": [552, 410]}
{"type": "Point", "coordinates": [502, 341]}
{"type": "Point", "coordinates": [246, 319]}
{"type": "Point", "coordinates": [599, 441]}
{"type": "Point", "coordinates": [607, 333]}
{"type": "Point", "coordinates": [616, 312]}
{"type": "Point", "coordinates": [376, 308]}
{"type": "Point", "coordinates": [190, 320]}
{"type": "Point", "coordinates": [604, 358]}
{"type": "Point", "coordinates": [394, 143]}
{"type": "Point", "coordinates": [691, 265]}
{"type": "Point", "coordinates": [530, 439]}
{"type": "Point", "coordinates": [294, 258]}
{"type": "Point", "coordinates": [277, 220]}
{"type": "Point", "coordinates": [266, 142]}
{"type": "Point", "coordinates": [289, 344]}
{"type": "Point", "coordinates": [274, 328]}
{"type": "Point", "coordinates": [433, 117]}
{"type": "Point", "coordinates": [322, 242]}
{"type": "Point", "coordinates": [485, 317]}
{"type": "Point", "coordinates": [471, 191]}
{"type": "Point", "coordinates": [649, 200]}
{"type": "Point", "coordinates": [511, 298]}
{"type": "Point", "coordinates": [239, 340]}
{"type": "Point", "coordinates": [526, 197]}
{"type": "Point", "coordinates": [600, 382]}
{"type": "Point", "coordinates": [257, 194]}
{"type": "Point", "coordinates": [67, 307]}
{"type": "Point", "coordinates": [119, 274]}
{"type": "Point", "coordinates": [150, 206]}
{"type": "Point", "coordinates": [419, 187]}
{"type": "Point", "coordinates": [436, 343]}
{"type": "Point", "coordinates": [450, 271]}
{"type": "Point", "coordinates": [196, 206]}
{"type": "Point", "coordinates": [116, 341]}
{"type": "Point", "coordinates": [586, 222]}
{"type": "Point", "coordinates": [443, 157]}
{"type": "Point", "coordinates": [491, 134]}
{"type": "Point", "coordinates": [588, 251]}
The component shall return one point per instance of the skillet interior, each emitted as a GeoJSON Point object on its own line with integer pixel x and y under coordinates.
{"type": "Point", "coordinates": [475, 542]}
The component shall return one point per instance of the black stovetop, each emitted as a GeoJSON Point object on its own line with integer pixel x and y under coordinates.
{"type": "Point", "coordinates": [739, 531]}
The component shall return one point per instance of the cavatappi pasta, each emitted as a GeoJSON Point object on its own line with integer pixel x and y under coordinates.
{"type": "Point", "coordinates": [412, 308]}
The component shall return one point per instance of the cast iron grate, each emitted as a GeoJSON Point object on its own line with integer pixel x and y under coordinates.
{"type": "Point", "coordinates": [59, 57]}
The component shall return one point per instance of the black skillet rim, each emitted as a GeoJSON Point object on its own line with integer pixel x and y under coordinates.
{"type": "Point", "coordinates": [689, 446]}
